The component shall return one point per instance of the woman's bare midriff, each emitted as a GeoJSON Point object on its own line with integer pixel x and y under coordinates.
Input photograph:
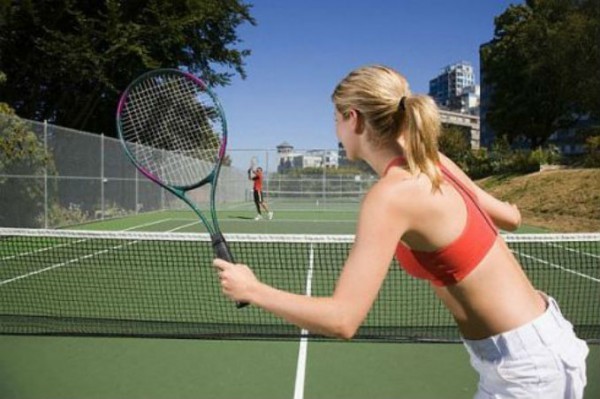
{"type": "Point", "coordinates": [494, 298]}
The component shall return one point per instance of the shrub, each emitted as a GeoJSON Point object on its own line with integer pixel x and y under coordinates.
{"type": "Point", "coordinates": [522, 162]}
{"type": "Point", "coordinates": [592, 157]}
{"type": "Point", "coordinates": [478, 164]}
{"type": "Point", "coordinates": [59, 216]}
{"type": "Point", "coordinates": [546, 156]}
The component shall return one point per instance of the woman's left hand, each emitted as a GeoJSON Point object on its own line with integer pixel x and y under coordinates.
{"type": "Point", "coordinates": [237, 280]}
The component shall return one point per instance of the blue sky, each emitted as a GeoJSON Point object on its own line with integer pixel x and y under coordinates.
{"type": "Point", "coordinates": [302, 49]}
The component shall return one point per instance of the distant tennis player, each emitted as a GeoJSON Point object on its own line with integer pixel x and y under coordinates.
{"type": "Point", "coordinates": [442, 228]}
{"type": "Point", "coordinates": [257, 177]}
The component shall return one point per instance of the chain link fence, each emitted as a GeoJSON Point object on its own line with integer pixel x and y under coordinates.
{"type": "Point", "coordinates": [51, 176]}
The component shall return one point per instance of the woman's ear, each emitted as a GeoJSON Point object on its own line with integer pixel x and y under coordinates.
{"type": "Point", "coordinates": [357, 121]}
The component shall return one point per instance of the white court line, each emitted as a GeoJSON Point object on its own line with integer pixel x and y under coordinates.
{"type": "Point", "coordinates": [83, 257]}
{"type": "Point", "coordinates": [558, 267]}
{"type": "Point", "coordinates": [302, 351]}
{"type": "Point", "coordinates": [41, 250]}
{"type": "Point", "coordinates": [279, 220]}
{"type": "Point", "coordinates": [574, 250]}
{"type": "Point", "coordinates": [57, 265]}
{"type": "Point", "coordinates": [76, 242]}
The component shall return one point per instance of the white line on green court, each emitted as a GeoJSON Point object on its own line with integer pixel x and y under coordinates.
{"type": "Point", "coordinates": [574, 250]}
{"type": "Point", "coordinates": [74, 260]}
{"type": "Point", "coordinates": [40, 250]}
{"type": "Point", "coordinates": [77, 242]}
{"type": "Point", "coordinates": [557, 266]}
{"type": "Point", "coordinates": [302, 351]}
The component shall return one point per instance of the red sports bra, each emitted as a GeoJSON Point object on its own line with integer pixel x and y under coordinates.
{"type": "Point", "coordinates": [451, 264]}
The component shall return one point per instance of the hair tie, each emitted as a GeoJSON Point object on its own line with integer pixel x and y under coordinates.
{"type": "Point", "coordinates": [402, 103]}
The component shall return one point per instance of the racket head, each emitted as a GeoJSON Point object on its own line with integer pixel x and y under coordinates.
{"type": "Point", "coordinates": [173, 128]}
{"type": "Point", "coordinates": [253, 163]}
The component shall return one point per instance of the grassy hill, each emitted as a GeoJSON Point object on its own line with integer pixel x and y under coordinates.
{"type": "Point", "coordinates": [565, 200]}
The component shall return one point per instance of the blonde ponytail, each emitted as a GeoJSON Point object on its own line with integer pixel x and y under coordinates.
{"type": "Point", "coordinates": [422, 129]}
{"type": "Point", "coordinates": [382, 96]}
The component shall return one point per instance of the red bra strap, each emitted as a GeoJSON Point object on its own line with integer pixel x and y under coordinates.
{"type": "Point", "coordinates": [470, 194]}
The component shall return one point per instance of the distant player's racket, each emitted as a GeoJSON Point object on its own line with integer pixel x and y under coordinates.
{"type": "Point", "coordinates": [174, 131]}
{"type": "Point", "coordinates": [253, 166]}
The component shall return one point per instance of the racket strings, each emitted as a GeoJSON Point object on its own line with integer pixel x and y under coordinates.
{"type": "Point", "coordinates": [174, 129]}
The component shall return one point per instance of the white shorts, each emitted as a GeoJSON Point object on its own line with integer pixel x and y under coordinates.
{"type": "Point", "coordinates": [542, 359]}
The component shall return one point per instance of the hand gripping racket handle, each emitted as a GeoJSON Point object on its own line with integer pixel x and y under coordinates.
{"type": "Point", "coordinates": [222, 250]}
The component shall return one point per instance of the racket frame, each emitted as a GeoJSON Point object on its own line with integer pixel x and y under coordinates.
{"type": "Point", "coordinates": [180, 191]}
{"type": "Point", "coordinates": [218, 241]}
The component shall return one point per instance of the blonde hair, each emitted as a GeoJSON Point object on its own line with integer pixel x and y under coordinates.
{"type": "Point", "coordinates": [382, 96]}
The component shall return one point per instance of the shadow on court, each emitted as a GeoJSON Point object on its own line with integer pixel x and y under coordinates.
{"type": "Point", "coordinates": [243, 217]}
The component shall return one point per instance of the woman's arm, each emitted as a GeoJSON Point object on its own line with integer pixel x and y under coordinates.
{"type": "Point", "coordinates": [380, 227]}
{"type": "Point", "coordinates": [504, 214]}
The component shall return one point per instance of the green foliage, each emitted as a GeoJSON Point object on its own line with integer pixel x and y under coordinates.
{"type": "Point", "coordinates": [59, 216]}
{"type": "Point", "coordinates": [111, 210]}
{"type": "Point", "coordinates": [592, 157]}
{"type": "Point", "coordinates": [518, 162]}
{"type": "Point", "coordinates": [68, 61]}
{"type": "Point", "coordinates": [503, 160]}
{"type": "Point", "coordinates": [5, 109]}
{"type": "Point", "coordinates": [521, 162]}
{"type": "Point", "coordinates": [543, 66]}
{"type": "Point", "coordinates": [546, 156]}
{"type": "Point", "coordinates": [21, 153]}
{"type": "Point", "coordinates": [500, 154]}
{"type": "Point", "coordinates": [454, 144]}
{"type": "Point", "coordinates": [478, 164]}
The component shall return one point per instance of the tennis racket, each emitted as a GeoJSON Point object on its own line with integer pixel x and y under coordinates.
{"type": "Point", "coordinates": [252, 167]}
{"type": "Point", "coordinates": [173, 129]}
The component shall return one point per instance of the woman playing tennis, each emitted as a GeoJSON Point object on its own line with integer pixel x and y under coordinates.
{"type": "Point", "coordinates": [443, 228]}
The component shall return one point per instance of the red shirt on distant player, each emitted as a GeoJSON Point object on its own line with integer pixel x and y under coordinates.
{"type": "Point", "coordinates": [258, 179]}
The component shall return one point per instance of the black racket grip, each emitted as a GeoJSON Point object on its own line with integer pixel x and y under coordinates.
{"type": "Point", "coordinates": [222, 250]}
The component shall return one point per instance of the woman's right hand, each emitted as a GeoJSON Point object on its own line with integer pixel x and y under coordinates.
{"type": "Point", "coordinates": [238, 282]}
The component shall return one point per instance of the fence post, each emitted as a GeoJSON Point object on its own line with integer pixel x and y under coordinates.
{"type": "Point", "coordinates": [102, 180]}
{"type": "Point", "coordinates": [323, 159]}
{"type": "Point", "coordinates": [137, 200]}
{"type": "Point", "coordinates": [267, 172]}
{"type": "Point", "coordinates": [46, 174]}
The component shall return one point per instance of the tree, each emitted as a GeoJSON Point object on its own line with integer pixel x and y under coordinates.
{"type": "Point", "coordinates": [591, 138]}
{"type": "Point", "coordinates": [543, 66]}
{"type": "Point", "coordinates": [21, 153]}
{"type": "Point", "coordinates": [67, 61]}
{"type": "Point", "coordinates": [586, 68]}
{"type": "Point", "coordinates": [454, 144]}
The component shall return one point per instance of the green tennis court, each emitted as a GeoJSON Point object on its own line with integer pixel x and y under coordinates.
{"type": "Point", "coordinates": [162, 298]}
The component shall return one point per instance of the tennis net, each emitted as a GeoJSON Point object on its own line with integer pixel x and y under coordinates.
{"type": "Point", "coordinates": [141, 284]}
